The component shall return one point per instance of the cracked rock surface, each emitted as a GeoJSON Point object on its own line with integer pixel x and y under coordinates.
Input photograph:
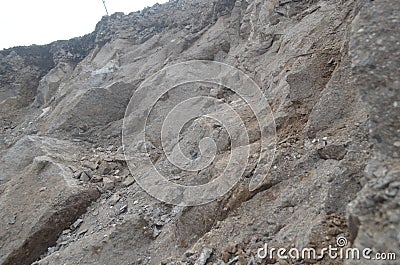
{"type": "Point", "coordinates": [330, 72]}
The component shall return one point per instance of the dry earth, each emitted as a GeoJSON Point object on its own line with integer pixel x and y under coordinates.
{"type": "Point", "coordinates": [330, 70]}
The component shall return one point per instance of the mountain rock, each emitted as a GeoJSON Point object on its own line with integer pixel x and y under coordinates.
{"type": "Point", "coordinates": [329, 70]}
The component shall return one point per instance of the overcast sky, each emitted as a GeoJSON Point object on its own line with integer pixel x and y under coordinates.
{"type": "Point", "coordinates": [26, 22]}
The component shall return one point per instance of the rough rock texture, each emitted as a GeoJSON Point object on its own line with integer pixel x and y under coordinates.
{"type": "Point", "coordinates": [39, 197]}
{"type": "Point", "coordinates": [375, 213]}
{"type": "Point", "coordinates": [330, 70]}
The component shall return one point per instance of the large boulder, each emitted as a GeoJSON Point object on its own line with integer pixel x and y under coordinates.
{"type": "Point", "coordinates": [39, 197]}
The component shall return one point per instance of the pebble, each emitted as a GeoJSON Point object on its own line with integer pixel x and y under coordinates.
{"type": "Point", "coordinates": [84, 231]}
{"type": "Point", "coordinates": [84, 177]}
{"type": "Point", "coordinates": [128, 181]}
{"type": "Point", "coordinates": [77, 174]}
{"type": "Point", "coordinates": [96, 179]}
{"type": "Point", "coordinates": [204, 256]}
{"type": "Point", "coordinates": [108, 183]}
{"type": "Point", "coordinates": [110, 148]}
{"type": "Point", "coordinates": [336, 221]}
{"type": "Point", "coordinates": [395, 184]}
{"type": "Point", "coordinates": [12, 220]}
{"type": "Point", "coordinates": [380, 173]}
{"type": "Point", "coordinates": [233, 260]}
{"type": "Point", "coordinates": [117, 178]}
{"type": "Point", "coordinates": [231, 249]}
{"type": "Point", "coordinates": [123, 209]}
{"type": "Point", "coordinates": [391, 192]}
{"type": "Point", "coordinates": [114, 199]}
{"type": "Point", "coordinates": [330, 178]}
{"type": "Point", "coordinates": [226, 256]}
{"type": "Point", "coordinates": [76, 224]}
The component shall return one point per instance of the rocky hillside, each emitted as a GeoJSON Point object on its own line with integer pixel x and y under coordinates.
{"type": "Point", "coordinates": [330, 71]}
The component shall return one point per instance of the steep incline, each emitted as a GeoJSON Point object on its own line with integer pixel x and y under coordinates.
{"type": "Point", "coordinates": [330, 71]}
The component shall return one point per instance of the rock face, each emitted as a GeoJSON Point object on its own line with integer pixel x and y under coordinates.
{"type": "Point", "coordinates": [376, 73]}
{"type": "Point", "coordinates": [39, 197]}
{"type": "Point", "coordinates": [330, 72]}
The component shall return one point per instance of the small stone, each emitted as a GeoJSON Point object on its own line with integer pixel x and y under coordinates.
{"type": "Point", "coordinates": [204, 256]}
{"type": "Point", "coordinates": [110, 148]}
{"type": "Point", "coordinates": [96, 179]}
{"type": "Point", "coordinates": [84, 231]}
{"type": "Point", "coordinates": [382, 183]}
{"type": "Point", "coordinates": [233, 261]}
{"type": "Point", "coordinates": [51, 250]}
{"type": "Point", "coordinates": [108, 183]}
{"type": "Point", "coordinates": [123, 209]}
{"type": "Point", "coordinates": [105, 168]}
{"type": "Point", "coordinates": [226, 256]}
{"type": "Point", "coordinates": [391, 192]}
{"type": "Point", "coordinates": [100, 149]}
{"type": "Point", "coordinates": [189, 253]}
{"type": "Point", "coordinates": [84, 177]}
{"type": "Point", "coordinates": [91, 165]}
{"type": "Point", "coordinates": [76, 224]}
{"type": "Point", "coordinates": [128, 181]}
{"type": "Point", "coordinates": [42, 189]}
{"type": "Point", "coordinates": [114, 199]}
{"type": "Point", "coordinates": [231, 249]}
{"type": "Point", "coordinates": [336, 221]}
{"type": "Point", "coordinates": [117, 178]}
{"type": "Point", "coordinates": [12, 220]}
{"type": "Point", "coordinates": [380, 172]}
{"type": "Point", "coordinates": [395, 184]}
{"type": "Point", "coordinates": [397, 143]}
{"type": "Point", "coordinates": [77, 174]}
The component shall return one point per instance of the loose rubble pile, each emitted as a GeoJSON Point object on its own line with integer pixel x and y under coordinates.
{"type": "Point", "coordinates": [330, 71]}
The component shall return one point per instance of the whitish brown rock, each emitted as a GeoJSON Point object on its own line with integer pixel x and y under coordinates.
{"type": "Point", "coordinates": [40, 216]}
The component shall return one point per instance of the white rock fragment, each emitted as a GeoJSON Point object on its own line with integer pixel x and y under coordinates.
{"type": "Point", "coordinates": [76, 224]}
{"type": "Point", "coordinates": [204, 256]}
